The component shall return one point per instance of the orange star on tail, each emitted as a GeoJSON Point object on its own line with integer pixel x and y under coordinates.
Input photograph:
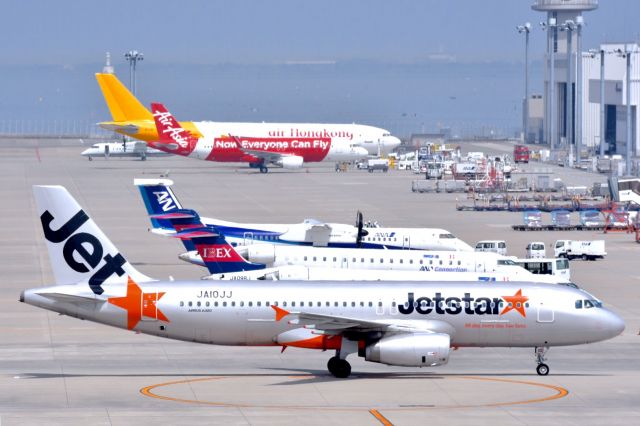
{"type": "Point", "coordinates": [515, 302]}
{"type": "Point", "coordinates": [138, 304]}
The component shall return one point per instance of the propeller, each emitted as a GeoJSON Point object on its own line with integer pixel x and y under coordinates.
{"type": "Point", "coordinates": [361, 232]}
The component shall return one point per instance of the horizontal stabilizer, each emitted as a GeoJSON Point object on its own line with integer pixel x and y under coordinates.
{"type": "Point", "coordinates": [70, 298]}
{"type": "Point", "coordinates": [197, 233]}
{"type": "Point", "coordinates": [175, 215]}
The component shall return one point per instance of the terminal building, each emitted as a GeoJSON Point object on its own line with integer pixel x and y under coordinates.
{"type": "Point", "coordinates": [615, 97]}
{"type": "Point", "coordinates": [572, 87]}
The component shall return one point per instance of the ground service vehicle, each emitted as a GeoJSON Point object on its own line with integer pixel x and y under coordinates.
{"type": "Point", "coordinates": [521, 154]}
{"type": "Point", "coordinates": [586, 250]}
{"type": "Point", "coordinates": [558, 267]}
{"type": "Point", "coordinates": [495, 246]}
{"type": "Point", "coordinates": [536, 250]}
{"type": "Point", "coordinates": [377, 164]}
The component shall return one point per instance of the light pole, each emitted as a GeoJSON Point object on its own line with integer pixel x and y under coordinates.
{"type": "Point", "coordinates": [569, 26]}
{"type": "Point", "coordinates": [133, 56]}
{"type": "Point", "coordinates": [552, 27]}
{"type": "Point", "coordinates": [626, 53]}
{"type": "Point", "coordinates": [526, 29]}
{"type": "Point", "coordinates": [593, 54]}
{"type": "Point", "coordinates": [578, 104]}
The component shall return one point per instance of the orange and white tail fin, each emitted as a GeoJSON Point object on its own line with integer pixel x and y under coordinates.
{"type": "Point", "coordinates": [121, 102]}
{"type": "Point", "coordinates": [172, 137]}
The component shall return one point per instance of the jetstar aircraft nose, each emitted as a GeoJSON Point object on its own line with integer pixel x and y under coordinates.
{"type": "Point", "coordinates": [615, 324]}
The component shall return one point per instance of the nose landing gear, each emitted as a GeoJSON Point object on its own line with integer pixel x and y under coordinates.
{"type": "Point", "coordinates": [542, 369]}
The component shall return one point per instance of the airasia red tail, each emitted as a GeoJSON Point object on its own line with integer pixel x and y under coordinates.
{"type": "Point", "coordinates": [173, 138]}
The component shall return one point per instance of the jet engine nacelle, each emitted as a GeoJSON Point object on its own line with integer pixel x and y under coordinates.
{"type": "Point", "coordinates": [290, 162]}
{"type": "Point", "coordinates": [410, 350]}
{"type": "Point", "coordinates": [261, 253]}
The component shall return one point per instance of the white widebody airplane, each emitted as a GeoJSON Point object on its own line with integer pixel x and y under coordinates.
{"type": "Point", "coordinates": [287, 145]}
{"type": "Point", "coordinates": [162, 204]}
{"type": "Point", "coordinates": [411, 324]}
{"type": "Point", "coordinates": [119, 149]}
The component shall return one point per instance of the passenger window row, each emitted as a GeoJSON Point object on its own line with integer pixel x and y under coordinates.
{"type": "Point", "coordinates": [267, 304]}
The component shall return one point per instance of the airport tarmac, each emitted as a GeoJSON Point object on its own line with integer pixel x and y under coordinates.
{"type": "Point", "coordinates": [59, 370]}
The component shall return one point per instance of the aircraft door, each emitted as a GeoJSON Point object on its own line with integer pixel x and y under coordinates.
{"type": "Point", "coordinates": [248, 238]}
{"type": "Point", "coordinates": [345, 263]}
{"type": "Point", "coordinates": [106, 151]}
{"type": "Point", "coordinates": [380, 308]}
{"type": "Point", "coordinates": [545, 314]}
{"type": "Point", "coordinates": [406, 243]}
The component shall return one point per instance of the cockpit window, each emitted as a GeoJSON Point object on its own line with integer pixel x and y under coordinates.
{"type": "Point", "coordinates": [386, 134]}
{"type": "Point", "coordinates": [447, 236]}
{"type": "Point", "coordinates": [588, 303]}
{"type": "Point", "coordinates": [506, 262]}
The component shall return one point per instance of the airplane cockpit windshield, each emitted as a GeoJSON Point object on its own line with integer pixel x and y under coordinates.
{"type": "Point", "coordinates": [449, 236]}
{"type": "Point", "coordinates": [588, 303]}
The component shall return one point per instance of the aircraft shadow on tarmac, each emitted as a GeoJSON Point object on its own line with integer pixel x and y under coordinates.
{"type": "Point", "coordinates": [302, 376]}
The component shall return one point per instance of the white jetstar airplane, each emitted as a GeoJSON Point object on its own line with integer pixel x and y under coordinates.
{"type": "Point", "coordinates": [401, 324]}
{"type": "Point", "coordinates": [161, 202]}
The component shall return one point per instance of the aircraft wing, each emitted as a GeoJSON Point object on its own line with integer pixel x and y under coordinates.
{"type": "Point", "coordinates": [266, 156]}
{"type": "Point", "coordinates": [337, 324]}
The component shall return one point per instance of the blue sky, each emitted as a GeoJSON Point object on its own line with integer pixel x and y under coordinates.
{"type": "Point", "coordinates": [223, 60]}
{"type": "Point", "coordinates": [243, 31]}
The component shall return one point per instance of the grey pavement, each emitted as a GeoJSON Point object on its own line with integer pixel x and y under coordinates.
{"type": "Point", "coordinates": [59, 370]}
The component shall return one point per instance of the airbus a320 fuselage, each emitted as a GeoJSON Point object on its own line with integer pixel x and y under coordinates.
{"type": "Point", "coordinates": [403, 324]}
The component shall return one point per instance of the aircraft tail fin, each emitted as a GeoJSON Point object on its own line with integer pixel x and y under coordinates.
{"type": "Point", "coordinates": [217, 254]}
{"type": "Point", "coordinates": [172, 137]}
{"type": "Point", "coordinates": [158, 199]}
{"type": "Point", "coordinates": [120, 101]}
{"type": "Point", "coordinates": [78, 249]}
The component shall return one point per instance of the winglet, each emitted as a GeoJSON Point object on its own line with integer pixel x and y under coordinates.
{"type": "Point", "coordinates": [280, 313]}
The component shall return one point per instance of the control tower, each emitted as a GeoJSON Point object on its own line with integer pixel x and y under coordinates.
{"type": "Point", "coordinates": [564, 26]}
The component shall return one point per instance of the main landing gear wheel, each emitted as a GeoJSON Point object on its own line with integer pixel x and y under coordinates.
{"type": "Point", "coordinates": [263, 169]}
{"type": "Point", "coordinates": [542, 369]}
{"type": "Point", "coordinates": [340, 368]}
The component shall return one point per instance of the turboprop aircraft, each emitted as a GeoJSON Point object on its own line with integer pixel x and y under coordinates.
{"type": "Point", "coordinates": [160, 201]}
{"type": "Point", "coordinates": [280, 144]}
{"type": "Point", "coordinates": [121, 149]}
{"type": "Point", "coordinates": [401, 324]}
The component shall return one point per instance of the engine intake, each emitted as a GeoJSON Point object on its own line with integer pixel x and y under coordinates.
{"type": "Point", "coordinates": [411, 350]}
{"type": "Point", "coordinates": [261, 253]}
{"type": "Point", "coordinates": [290, 162]}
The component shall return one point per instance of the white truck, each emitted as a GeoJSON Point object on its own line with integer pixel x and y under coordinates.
{"type": "Point", "coordinates": [461, 170]}
{"type": "Point", "coordinates": [377, 164]}
{"type": "Point", "coordinates": [495, 246]}
{"type": "Point", "coordinates": [586, 250]}
{"type": "Point", "coordinates": [536, 250]}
